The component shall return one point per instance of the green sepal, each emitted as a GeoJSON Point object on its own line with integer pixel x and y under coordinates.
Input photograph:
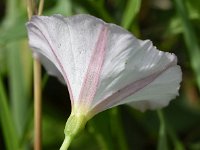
{"type": "Point", "coordinates": [74, 125]}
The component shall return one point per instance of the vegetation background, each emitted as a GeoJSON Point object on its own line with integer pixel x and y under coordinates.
{"type": "Point", "coordinates": [172, 25]}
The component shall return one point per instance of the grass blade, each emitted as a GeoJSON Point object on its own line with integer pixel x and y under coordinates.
{"type": "Point", "coordinates": [9, 132]}
{"type": "Point", "coordinates": [18, 95]}
{"type": "Point", "coordinates": [131, 11]}
{"type": "Point", "coordinates": [190, 39]}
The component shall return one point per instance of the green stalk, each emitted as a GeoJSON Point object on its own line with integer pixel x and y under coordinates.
{"type": "Point", "coordinates": [74, 125]}
{"type": "Point", "coordinates": [31, 8]}
{"type": "Point", "coordinates": [66, 143]}
{"type": "Point", "coordinates": [162, 143]}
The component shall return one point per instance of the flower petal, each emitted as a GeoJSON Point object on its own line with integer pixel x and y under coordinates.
{"type": "Point", "coordinates": [92, 75]}
{"type": "Point", "coordinates": [133, 68]}
{"type": "Point", "coordinates": [158, 94]}
{"type": "Point", "coordinates": [103, 64]}
{"type": "Point", "coordinates": [68, 43]}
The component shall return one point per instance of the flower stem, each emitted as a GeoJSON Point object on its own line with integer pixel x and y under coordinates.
{"type": "Point", "coordinates": [31, 7]}
{"type": "Point", "coordinates": [66, 143]}
{"type": "Point", "coordinates": [73, 127]}
{"type": "Point", "coordinates": [37, 105]}
{"type": "Point", "coordinates": [40, 9]}
{"type": "Point", "coordinates": [162, 143]}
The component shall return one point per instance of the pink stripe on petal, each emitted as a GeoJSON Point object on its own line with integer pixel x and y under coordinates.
{"type": "Point", "coordinates": [128, 90]}
{"type": "Point", "coordinates": [91, 80]}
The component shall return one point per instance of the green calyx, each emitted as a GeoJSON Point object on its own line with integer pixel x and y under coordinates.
{"type": "Point", "coordinates": [74, 125]}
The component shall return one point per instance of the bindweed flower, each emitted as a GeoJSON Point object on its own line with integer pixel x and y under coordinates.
{"type": "Point", "coordinates": [103, 66]}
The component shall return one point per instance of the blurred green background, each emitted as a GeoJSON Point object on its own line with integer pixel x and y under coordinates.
{"type": "Point", "coordinates": [172, 25]}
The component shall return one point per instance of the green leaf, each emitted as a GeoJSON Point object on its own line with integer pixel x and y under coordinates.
{"type": "Point", "coordinates": [131, 11]}
{"type": "Point", "coordinates": [190, 38]}
{"type": "Point", "coordinates": [7, 124]}
{"type": "Point", "coordinates": [18, 88]}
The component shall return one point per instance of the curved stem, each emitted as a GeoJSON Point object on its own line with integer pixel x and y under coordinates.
{"type": "Point", "coordinates": [66, 143]}
{"type": "Point", "coordinates": [73, 127]}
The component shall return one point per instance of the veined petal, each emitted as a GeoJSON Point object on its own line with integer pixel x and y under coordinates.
{"type": "Point", "coordinates": [68, 43]}
{"type": "Point", "coordinates": [92, 75]}
{"type": "Point", "coordinates": [140, 74]}
{"type": "Point", "coordinates": [159, 92]}
{"type": "Point", "coordinates": [103, 64]}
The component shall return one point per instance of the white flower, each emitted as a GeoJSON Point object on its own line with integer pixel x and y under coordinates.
{"type": "Point", "coordinates": [102, 64]}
